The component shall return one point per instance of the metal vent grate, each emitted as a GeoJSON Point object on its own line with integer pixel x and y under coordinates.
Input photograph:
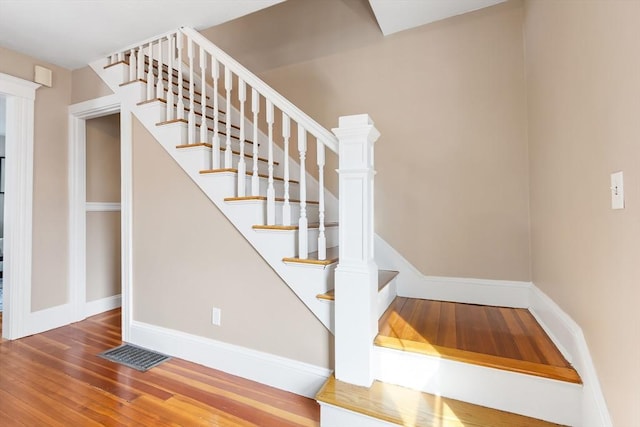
{"type": "Point", "coordinates": [134, 357]}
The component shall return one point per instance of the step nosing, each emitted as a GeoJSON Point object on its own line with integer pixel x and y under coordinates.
{"type": "Point", "coordinates": [558, 373]}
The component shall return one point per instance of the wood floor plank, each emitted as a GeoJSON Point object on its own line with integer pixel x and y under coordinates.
{"type": "Point", "coordinates": [57, 379]}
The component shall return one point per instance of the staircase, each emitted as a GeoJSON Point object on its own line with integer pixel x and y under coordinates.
{"type": "Point", "coordinates": [262, 162]}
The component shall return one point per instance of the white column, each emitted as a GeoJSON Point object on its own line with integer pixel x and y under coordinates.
{"type": "Point", "coordinates": [356, 280]}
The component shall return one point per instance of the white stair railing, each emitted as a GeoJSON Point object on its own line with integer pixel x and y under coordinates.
{"type": "Point", "coordinates": [356, 287]}
{"type": "Point", "coordinates": [187, 53]}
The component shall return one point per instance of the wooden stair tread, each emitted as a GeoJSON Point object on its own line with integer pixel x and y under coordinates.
{"type": "Point", "coordinates": [403, 406]}
{"type": "Point", "coordinates": [172, 121]}
{"type": "Point", "coordinates": [384, 277]}
{"type": "Point", "coordinates": [487, 360]}
{"type": "Point", "coordinates": [503, 338]}
{"type": "Point", "coordinates": [292, 227]}
{"type": "Point", "coordinates": [186, 109]}
{"type": "Point", "coordinates": [261, 175]}
{"type": "Point", "coordinates": [264, 198]}
{"type": "Point", "coordinates": [332, 257]}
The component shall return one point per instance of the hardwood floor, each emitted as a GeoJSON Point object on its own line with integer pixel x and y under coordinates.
{"type": "Point", "coordinates": [498, 337]}
{"type": "Point", "coordinates": [56, 379]}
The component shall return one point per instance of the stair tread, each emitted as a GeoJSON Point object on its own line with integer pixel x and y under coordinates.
{"type": "Point", "coordinates": [292, 227]}
{"type": "Point", "coordinates": [237, 153]}
{"type": "Point", "coordinates": [261, 175]}
{"type": "Point", "coordinates": [332, 257]}
{"type": "Point", "coordinates": [262, 198]}
{"type": "Point", "coordinates": [403, 406]}
{"type": "Point", "coordinates": [496, 337]}
{"type": "Point", "coordinates": [384, 277]}
{"type": "Point", "coordinates": [168, 122]}
{"type": "Point", "coordinates": [186, 109]}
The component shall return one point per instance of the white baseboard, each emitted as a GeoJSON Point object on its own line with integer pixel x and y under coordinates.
{"type": "Point", "coordinates": [569, 339]}
{"type": "Point", "coordinates": [47, 319]}
{"type": "Point", "coordinates": [412, 283]}
{"type": "Point", "coordinates": [101, 305]}
{"type": "Point", "coordinates": [286, 374]}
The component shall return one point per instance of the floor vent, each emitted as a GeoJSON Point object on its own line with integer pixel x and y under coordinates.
{"type": "Point", "coordinates": [134, 357]}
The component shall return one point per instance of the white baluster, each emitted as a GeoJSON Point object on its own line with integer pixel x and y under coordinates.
{"type": "Point", "coordinates": [140, 70]}
{"type": "Point", "coordinates": [151, 88]}
{"type": "Point", "coordinates": [228, 83]}
{"type": "Point", "coordinates": [112, 58]}
{"type": "Point", "coordinates": [180, 106]}
{"type": "Point", "coordinates": [322, 240]}
{"type": "Point", "coordinates": [192, 95]}
{"type": "Point", "coordinates": [132, 65]}
{"type": "Point", "coordinates": [160, 85]}
{"type": "Point", "coordinates": [271, 192]}
{"type": "Point", "coordinates": [170, 98]}
{"type": "Point", "coordinates": [303, 225]}
{"type": "Point", "coordinates": [215, 152]}
{"type": "Point", "coordinates": [242, 166]}
{"type": "Point", "coordinates": [286, 133]}
{"type": "Point", "coordinates": [203, 97]}
{"type": "Point", "coordinates": [255, 109]}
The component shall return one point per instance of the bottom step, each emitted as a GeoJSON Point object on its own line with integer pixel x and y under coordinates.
{"type": "Point", "coordinates": [386, 404]}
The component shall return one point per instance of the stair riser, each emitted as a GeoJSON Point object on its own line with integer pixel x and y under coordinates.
{"type": "Point", "coordinates": [258, 211]}
{"type": "Point", "coordinates": [533, 396]}
{"type": "Point", "coordinates": [199, 158]}
{"type": "Point", "coordinates": [331, 236]}
{"type": "Point", "coordinates": [333, 416]}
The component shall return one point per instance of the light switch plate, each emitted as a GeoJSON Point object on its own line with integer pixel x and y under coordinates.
{"type": "Point", "coordinates": [216, 315]}
{"type": "Point", "coordinates": [617, 191]}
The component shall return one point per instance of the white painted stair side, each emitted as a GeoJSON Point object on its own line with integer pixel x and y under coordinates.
{"type": "Point", "coordinates": [305, 281]}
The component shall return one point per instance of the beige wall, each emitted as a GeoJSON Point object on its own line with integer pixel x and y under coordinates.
{"type": "Point", "coordinates": [50, 194]}
{"type": "Point", "coordinates": [103, 255]}
{"type": "Point", "coordinates": [103, 228]}
{"type": "Point", "coordinates": [584, 91]}
{"type": "Point", "coordinates": [87, 85]}
{"type": "Point", "coordinates": [449, 99]}
{"type": "Point", "coordinates": [103, 159]}
{"type": "Point", "coordinates": [188, 259]}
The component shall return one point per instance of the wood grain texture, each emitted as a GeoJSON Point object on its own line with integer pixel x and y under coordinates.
{"type": "Point", "coordinates": [332, 257]}
{"type": "Point", "coordinates": [496, 337]}
{"type": "Point", "coordinates": [384, 277]}
{"type": "Point", "coordinates": [408, 407]}
{"type": "Point", "coordinates": [56, 379]}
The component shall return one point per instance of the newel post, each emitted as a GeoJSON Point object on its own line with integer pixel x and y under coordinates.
{"type": "Point", "coordinates": [356, 278]}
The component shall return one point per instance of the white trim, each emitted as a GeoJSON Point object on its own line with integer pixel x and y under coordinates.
{"type": "Point", "coordinates": [569, 339]}
{"type": "Point", "coordinates": [49, 318]}
{"type": "Point", "coordinates": [102, 206]}
{"type": "Point", "coordinates": [555, 401]}
{"type": "Point", "coordinates": [18, 213]}
{"type": "Point", "coordinates": [78, 206]}
{"type": "Point", "coordinates": [275, 371]}
{"type": "Point", "coordinates": [101, 305]}
{"type": "Point", "coordinates": [412, 283]}
{"type": "Point", "coordinates": [126, 218]}
{"type": "Point", "coordinates": [335, 416]}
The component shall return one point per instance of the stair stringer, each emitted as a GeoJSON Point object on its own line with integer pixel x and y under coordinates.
{"type": "Point", "coordinates": [306, 281]}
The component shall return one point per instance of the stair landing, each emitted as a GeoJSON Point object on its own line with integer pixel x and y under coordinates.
{"type": "Point", "coordinates": [497, 337]}
{"type": "Point", "coordinates": [402, 406]}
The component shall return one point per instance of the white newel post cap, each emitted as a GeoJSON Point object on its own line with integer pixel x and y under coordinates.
{"type": "Point", "coordinates": [356, 125]}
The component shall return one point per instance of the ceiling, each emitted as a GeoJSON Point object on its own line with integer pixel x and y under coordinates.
{"type": "Point", "coordinates": [399, 15]}
{"type": "Point", "coordinates": [72, 33]}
